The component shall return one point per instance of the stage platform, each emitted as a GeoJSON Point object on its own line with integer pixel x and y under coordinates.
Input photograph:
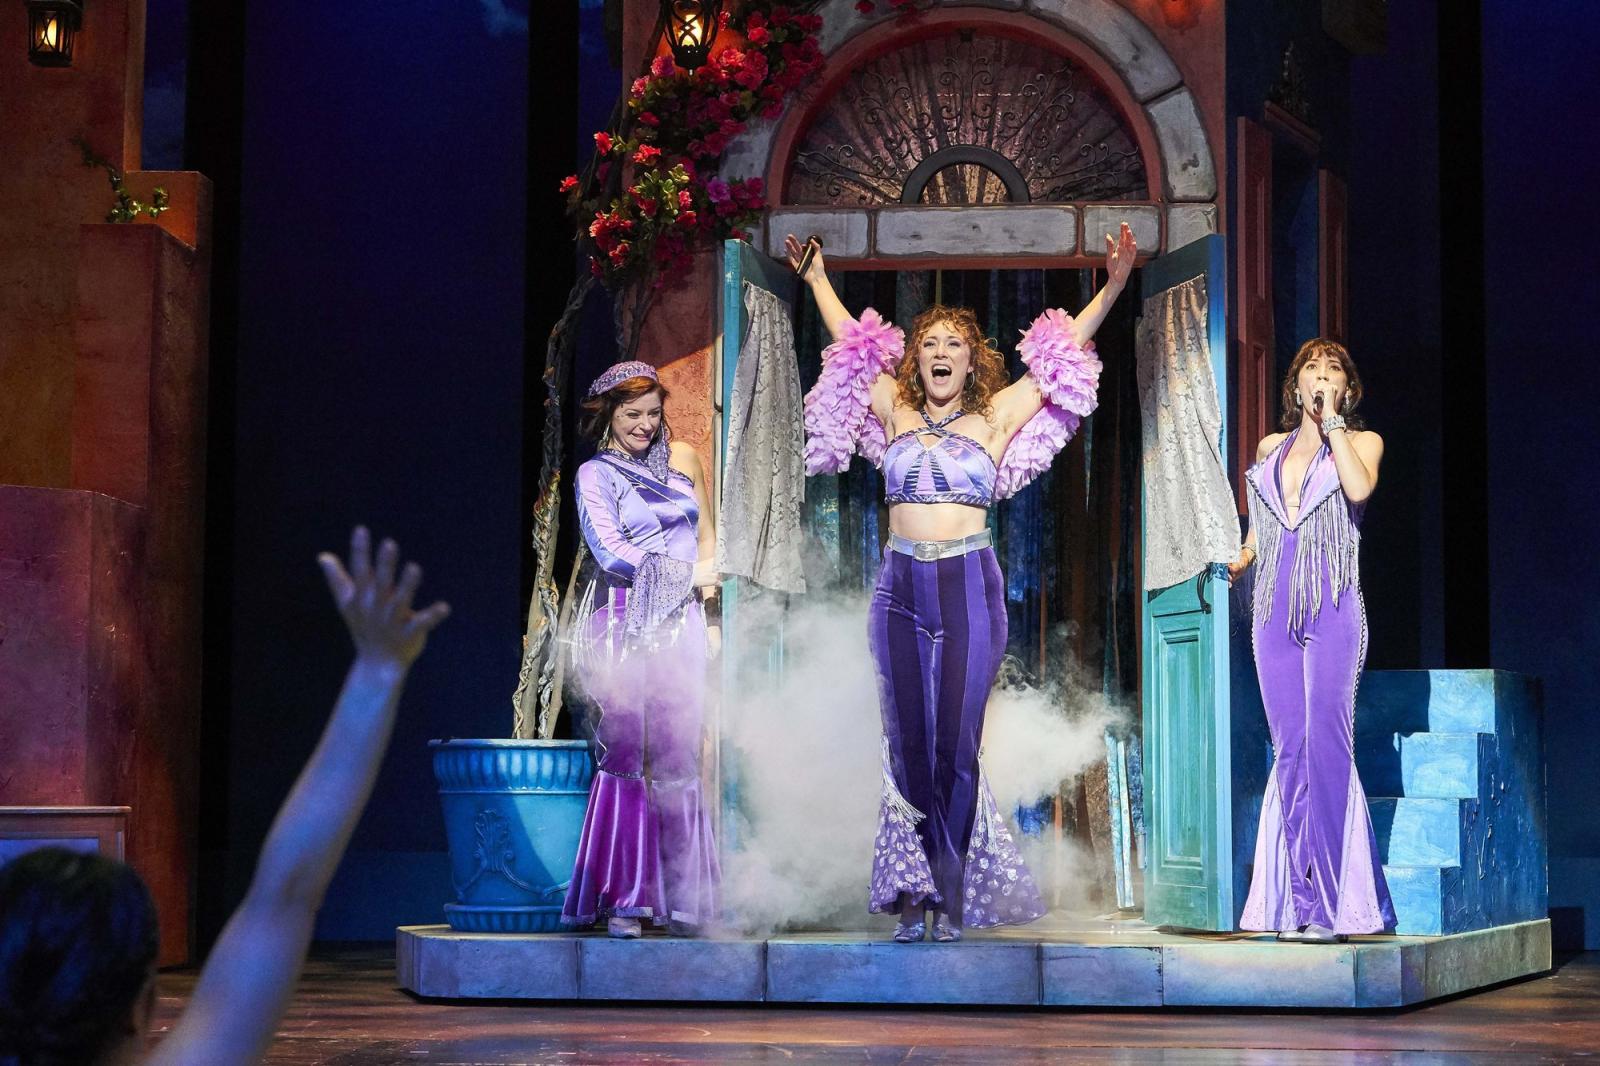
{"type": "Point", "coordinates": [1091, 962]}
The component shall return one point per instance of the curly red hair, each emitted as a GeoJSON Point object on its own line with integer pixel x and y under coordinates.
{"type": "Point", "coordinates": [988, 375]}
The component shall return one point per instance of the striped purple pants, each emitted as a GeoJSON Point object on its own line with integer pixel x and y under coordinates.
{"type": "Point", "coordinates": [937, 631]}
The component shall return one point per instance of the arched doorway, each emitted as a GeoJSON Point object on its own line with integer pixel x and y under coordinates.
{"type": "Point", "coordinates": [974, 157]}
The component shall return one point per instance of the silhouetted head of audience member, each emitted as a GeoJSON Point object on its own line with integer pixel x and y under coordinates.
{"type": "Point", "coordinates": [77, 959]}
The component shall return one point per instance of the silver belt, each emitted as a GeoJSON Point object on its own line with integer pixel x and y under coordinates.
{"type": "Point", "coordinates": [927, 551]}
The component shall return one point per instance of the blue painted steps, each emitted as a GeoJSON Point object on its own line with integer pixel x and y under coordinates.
{"type": "Point", "coordinates": [1453, 765]}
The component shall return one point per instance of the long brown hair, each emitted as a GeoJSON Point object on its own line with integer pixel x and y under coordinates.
{"type": "Point", "coordinates": [988, 365]}
{"type": "Point", "coordinates": [1312, 348]}
{"type": "Point", "coordinates": [599, 410]}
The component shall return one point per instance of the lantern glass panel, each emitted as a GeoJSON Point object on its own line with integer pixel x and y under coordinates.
{"type": "Point", "coordinates": [691, 26]}
{"type": "Point", "coordinates": [52, 32]}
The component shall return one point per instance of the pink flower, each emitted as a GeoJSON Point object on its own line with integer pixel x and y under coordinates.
{"type": "Point", "coordinates": [646, 155]}
{"type": "Point", "coordinates": [569, 183]}
{"type": "Point", "coordinates": [602, 141]}
{"type": "Point", "coordinates": [730, 59]}
{"type": "Point", "coordinates": [640, 85]}
{"type": "Point", "coordinates": [648, 118]}
{"type": "Point", "coordinates": [757, 35]}
{"type": "Point", "coordinates": [661, 66]}
{"type": "Point", "coordinates": [718, 191]}
{"type": "Point", "coordinates": [864, 6]}
{"type": "Point", "coordinates": [685, 200]}
{"type": "Point", "coordinates": [687, 219]}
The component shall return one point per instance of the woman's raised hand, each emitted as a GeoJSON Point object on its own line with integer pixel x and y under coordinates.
{"type": "Point", "coordinates": [375, 606]}
{"type": "Point", "coordinates": [796, 251]}
{"type": "Point", "coordinates": [1120, 253]}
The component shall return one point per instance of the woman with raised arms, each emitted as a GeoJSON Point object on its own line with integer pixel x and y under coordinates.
{"type": "Point", "coordinates": [951, 436]}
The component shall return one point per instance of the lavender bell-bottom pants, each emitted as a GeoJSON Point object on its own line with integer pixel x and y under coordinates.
{"type": "Point", "coordinates": [647, 849]}
{"type": "Point", "coordinates": [937, 632]}
{"type": "Point", "coordinates": [1316, 859]}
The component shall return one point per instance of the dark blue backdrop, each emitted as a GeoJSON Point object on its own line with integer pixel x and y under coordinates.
{"type": "Point", "coordinates": [1541, 169]}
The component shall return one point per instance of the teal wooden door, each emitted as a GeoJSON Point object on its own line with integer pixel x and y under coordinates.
{"type": "Point", "coordinates": [1188, 751]}
{"type": "Point", "coordinates": [752, 650]}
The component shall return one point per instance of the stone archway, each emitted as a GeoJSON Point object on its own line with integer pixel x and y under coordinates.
{"type": "Point", "coordinates": [1111, 45]}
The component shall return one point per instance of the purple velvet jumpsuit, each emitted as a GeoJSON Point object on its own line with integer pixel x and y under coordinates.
{"type": "Point", "coordinates": [646, 849]}
{"type": "Point", "coordinates": [937, 624]}
{"type": "Point", "coordinates": [1316, 858]}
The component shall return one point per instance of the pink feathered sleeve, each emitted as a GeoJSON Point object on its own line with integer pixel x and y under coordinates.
{"type": "Point", "coordinates": [838, 409]}
{"type": "Point", "coordinates": [1067, 373]}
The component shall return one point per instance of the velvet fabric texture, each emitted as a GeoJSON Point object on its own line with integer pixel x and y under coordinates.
{"type": "Point", "coordinates": [646, 850]}
{"type": "Point", "coordinates": [937, 631]}
{"type": "Point", "coordinates": [1316, 859]}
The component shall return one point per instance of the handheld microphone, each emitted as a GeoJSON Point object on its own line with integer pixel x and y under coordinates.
{"type": "Point", "coordinates": [813, 243]}
{"type": "Point", "coordinates": [1316, 404]}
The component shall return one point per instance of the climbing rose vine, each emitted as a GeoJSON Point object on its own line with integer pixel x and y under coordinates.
{"type": "Point", "coordinates": [651, 192]}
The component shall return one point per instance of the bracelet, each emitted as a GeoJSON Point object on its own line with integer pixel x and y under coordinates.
{"type": "Point", "coordinates": [1251, 549]}
{"type": "Point", "coordinates": [1331, 423]}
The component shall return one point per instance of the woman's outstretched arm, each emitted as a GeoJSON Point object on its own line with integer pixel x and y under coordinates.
{"type": "Point", "coordinates": [1120, 253]}
{"type": "Point", "coordinates": [834, 315]}
{"type": "Point", "coordinates": [246, 982]}
{"type": "Point", "coordinates": [1022, 399]}
{"type": "Point", "coordinates": [889, 342]}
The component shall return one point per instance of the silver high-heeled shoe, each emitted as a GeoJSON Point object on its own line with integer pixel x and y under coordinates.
{"type": "Point", "coordinates": [910, 932]}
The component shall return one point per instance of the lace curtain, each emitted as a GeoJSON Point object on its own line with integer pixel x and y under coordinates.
{"type": "Point", "coordinates": [758, 532]}
{"type": "Point", "coordinates": [1189, 515]}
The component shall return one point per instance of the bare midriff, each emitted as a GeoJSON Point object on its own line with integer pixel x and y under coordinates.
{"type": "Point", "coordinates": [937, 521]}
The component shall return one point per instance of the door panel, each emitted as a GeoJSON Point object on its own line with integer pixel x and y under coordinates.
{"type": "Point", "coordinates": [1186, 688]}
{"type": "Point", "coordinates": [1253, 325]}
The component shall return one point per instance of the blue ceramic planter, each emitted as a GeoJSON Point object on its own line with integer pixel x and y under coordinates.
{"type": "Point", "coordinates": [513, 810]}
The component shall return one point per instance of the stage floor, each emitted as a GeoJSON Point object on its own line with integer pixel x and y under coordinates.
{"type": "Point", "coordinates": [1085, 962]}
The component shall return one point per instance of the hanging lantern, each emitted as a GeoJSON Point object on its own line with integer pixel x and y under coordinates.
{"type": "Point", "coordinates": [52, 31]}
{"type": "Point", "coordinates": [691, 27]}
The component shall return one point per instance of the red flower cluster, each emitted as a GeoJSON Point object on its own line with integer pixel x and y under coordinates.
{"type": "Point", "coordinates": [677, 119]}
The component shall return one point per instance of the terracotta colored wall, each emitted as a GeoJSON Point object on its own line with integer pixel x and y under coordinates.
{"type": "Point", "coordinates": [678, 337]}
{"type": "Point", "coordinates": [103, 357]}
{"type": "Point", "coordinates": [69, 652]}
{"type": "Point", "coordinates": [98, 98]}
{"type": "Point", "coordinates": [1194, 34]}
{"type": "Point", "coordinates": [139, 434]}
{"type": "Point", "coordinates": [681, 329]}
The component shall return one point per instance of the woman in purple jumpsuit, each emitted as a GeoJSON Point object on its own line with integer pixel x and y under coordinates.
{"type": "Point", "coordinates": [952, 435]}
{"type": "Point", "coordinates": [1317, 874]}
{"type": "Point", "coordinates": [641, 645]}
